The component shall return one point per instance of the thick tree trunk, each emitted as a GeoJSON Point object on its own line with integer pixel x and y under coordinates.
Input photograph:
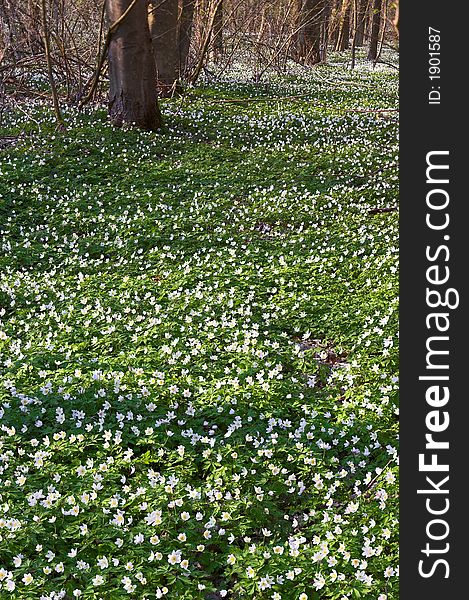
{"type": "Point", "coordinates": [132, 73]}
{"type": "Point", "coordinates": [186, 21]}
{"type": "Point", "coordinates": [361, 20]}
{"type": "Point", "coordinates": [375, 28]}
{"type": "Point", "coordinates": [163, 22]}
{"type": "Point", "coordinates": [217, 32]}
{"type": "Point", "coordinates": [308, 43]}
{"type": "Point", "coordinates": [343, 40]}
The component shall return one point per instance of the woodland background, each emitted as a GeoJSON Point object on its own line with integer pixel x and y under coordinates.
{"type": "Point", "coordinates": [149, 49]}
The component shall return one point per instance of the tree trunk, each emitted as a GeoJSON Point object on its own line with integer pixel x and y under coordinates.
{"type": "Point", "coordinates": [308, 44]}
{"type": "Point", "coordinates": [186, 21]}
{"type": "Point", "coordinates": [33, 21]}
{"type": "Point", "coordinates": [217, 32]}
{"type": "Point", "coordinates": [50, 73]}
{"type": "Point", "coordinates": [206, 7]}
{"type": "Point", "coordinates": [375, 27]}
{"type": "Point", "coordinates": [354, 38]}
{"type": "Point", "coordinates": [361, 20]}
{"type": "Point", "coordinates": [334, 21]}
{"type": "Point", "coordinates": [163, 23]}
{"type": "Point", "coordinates": [343, 39]}
{"type": "Point", "coordinates": [132, 73]}
{"type": "Point", "coordinates": [325, 26]}
{"type": "Point", "coordinates": [8, 30]}
{"type": "Point", "coordinates": [395, 21]}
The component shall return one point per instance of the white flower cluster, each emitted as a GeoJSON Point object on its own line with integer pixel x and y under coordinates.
{"type": "Point", "coordinates": [198, 349]}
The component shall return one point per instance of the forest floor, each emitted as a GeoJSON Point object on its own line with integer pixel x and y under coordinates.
{"type": "Point", "coordinates": [198, 348]}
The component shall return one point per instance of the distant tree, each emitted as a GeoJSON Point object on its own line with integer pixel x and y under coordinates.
{"type": "Point", "coordinates": [343, 38]}
{"type": "Point", "coordinates": [361, 12]}
{"type": "Point", "coordinates": [50, 71]}
{"type": "Point", "coordinates": [132, 73]}
{"type": "Point", "coordinates": [309, 35]}
{"type": "Point", "coordinates": [334, 21]}
{"type": "Point", "coordinates": [326, 20]}
{"type": "Point", "coordinates": [217, 31]}
{"type": "Point", "coordinates": [163, 23]}
{"type": "Point", "coordinates": [207, 13]}
{"type": "Point", "coordinates": [375, 29]}
{"type": "Point", "coordinates": [395, 21]}
{"type": "Point", "coordinates": [185, 27]}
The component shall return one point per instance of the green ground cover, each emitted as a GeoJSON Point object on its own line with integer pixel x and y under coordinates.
{"type": "Point", "coordinates": [198, 347]}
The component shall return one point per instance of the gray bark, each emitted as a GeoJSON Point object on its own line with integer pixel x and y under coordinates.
{"type": "Point", "coordinates": [132, 73]}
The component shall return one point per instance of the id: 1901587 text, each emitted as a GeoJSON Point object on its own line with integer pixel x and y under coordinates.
{"type": "Point", "coordinates": [434, 69]}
